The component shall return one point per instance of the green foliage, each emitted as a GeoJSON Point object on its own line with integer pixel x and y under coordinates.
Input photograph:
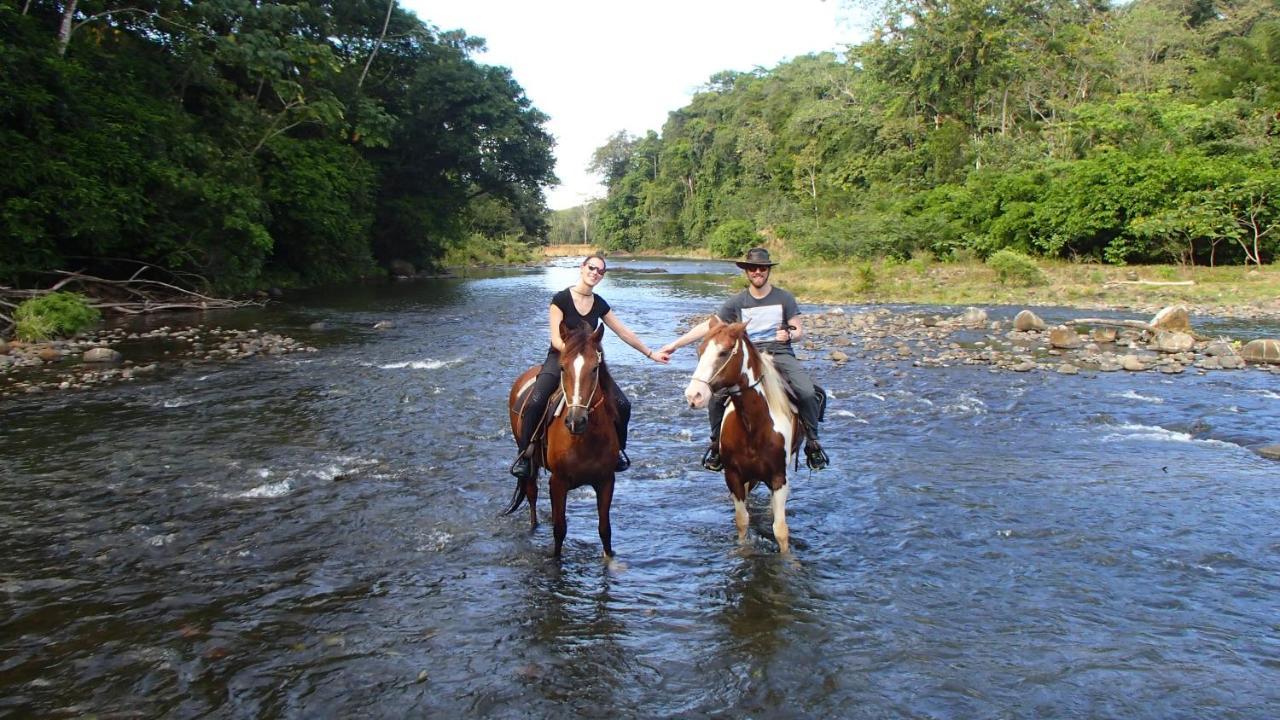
{"type": "Point", "coordinates": [865, 280]}
{"type": "Point", "coordinates": [53, 315]}
{"type": "Point", "coordinates": [1090, 131]}
{"type": "Point", "coordinates": [732, 239]}
{"type": "Point", "coordinates": [1014, 268]}
{"type": "Point", "coordinates": [239, 140]}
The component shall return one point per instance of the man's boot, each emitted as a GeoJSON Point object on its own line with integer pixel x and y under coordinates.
{"type": "Point", "coordinates": [711, 460]}
{"type": "Point", "coordinates": [522, 467]}
{"type": "Point", "coordinates": [814, 456]}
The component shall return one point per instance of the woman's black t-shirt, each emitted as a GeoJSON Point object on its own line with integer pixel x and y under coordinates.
{"type": "Point", "coordinates": [572, 318]}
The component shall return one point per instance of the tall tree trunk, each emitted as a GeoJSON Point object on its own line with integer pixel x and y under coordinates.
{"type": "Point", "coordinates": [64, 30]}
{"type": "Point", "coordinates": [385, 22]}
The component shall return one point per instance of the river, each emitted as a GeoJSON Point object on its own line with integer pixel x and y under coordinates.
{"type": "Point", "coordinates": [318, 535]}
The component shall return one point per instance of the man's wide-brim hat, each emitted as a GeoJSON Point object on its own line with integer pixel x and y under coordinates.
{"type": "Point", "coordinates": [755, 256]}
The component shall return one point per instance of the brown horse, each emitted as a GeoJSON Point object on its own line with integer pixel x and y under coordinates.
{"type": "Point", "coordinates": [760, 434]}
{"type": "Point", "coordinates": [580, 444]}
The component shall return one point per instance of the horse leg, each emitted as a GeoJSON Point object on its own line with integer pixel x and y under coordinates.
{"type": "Point", "coordinates": [738, 489]}
{"type": "Point", "coordinates": [604, 498]}
{"type": "Point", "coordinates": [780, 531]}
{"type": "Point", "coordinates": [531, 495]}
{"type": "Point", "coordinates": [559, 498]}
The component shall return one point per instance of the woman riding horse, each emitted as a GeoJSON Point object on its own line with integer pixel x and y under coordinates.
{"type": "Point", "coordinates": [578, 305]}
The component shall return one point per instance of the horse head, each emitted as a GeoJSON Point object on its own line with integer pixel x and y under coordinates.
{"type": "Point", "coordinates": [720, 361]}
{"type": "Point", "coordinates": [581, 362]}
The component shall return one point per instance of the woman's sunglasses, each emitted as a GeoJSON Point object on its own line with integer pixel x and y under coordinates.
{"type": "Point", "coordinates": [597, 269]}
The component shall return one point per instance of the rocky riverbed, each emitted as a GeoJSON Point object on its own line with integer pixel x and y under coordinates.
{"type": "Point", "coordinates": [117, 355]}
{"type": "Point", "coordinates": [1167, 344]}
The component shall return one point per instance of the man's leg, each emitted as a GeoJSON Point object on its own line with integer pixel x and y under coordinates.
{"type": "Point", "coordinates": [808, 403]}
{"type": "Point", "coordinates": [715, 413]}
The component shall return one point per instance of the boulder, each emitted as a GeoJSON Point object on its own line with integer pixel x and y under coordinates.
{"type": "Point", "coordinates": [1174, 317]}
{"type": "Point", "coordinates": [974, 316]}
{"type": "Point", "coordinates": [1262, 351]}
{"type": "Point", "coordinates": [4, 347]}
{"type": "Point", "coordinates": [1132, 363]}
{"type": "Point", "coordinates": [1173, 342]}
{"type": "Point", "coordinates": [1270, 451]}
{"type": "Point", "coordinates": [1027, 320]}
{"type": "Point", "coordinates": [101, 355]}
{"type": "Point", "coordinates": [1064, 337]}
{"type": "Point", "coordinates": [1103, 335]}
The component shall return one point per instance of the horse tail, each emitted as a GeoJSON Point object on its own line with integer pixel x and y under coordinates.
{"type": "Point", "coordinates": [517, 499]}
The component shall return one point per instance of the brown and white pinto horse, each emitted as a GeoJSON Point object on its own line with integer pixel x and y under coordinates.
{"type": "Point", "coordinates": [580, 444]}
{"type": "Point", "coordinates": [760, 433]}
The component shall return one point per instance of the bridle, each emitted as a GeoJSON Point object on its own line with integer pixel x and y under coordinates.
{"type": "Point", "coordinates": [595, 386]}
{"type": "Point", "coordinates": [734, 389]}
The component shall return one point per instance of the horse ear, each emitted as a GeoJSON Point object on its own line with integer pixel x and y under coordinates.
{"type": "Point", "coordinates": [564, 331]}
{"type": "Point", "coordinates": [598, 336]}
{"type": "Point", "coordinates": [714, 322]}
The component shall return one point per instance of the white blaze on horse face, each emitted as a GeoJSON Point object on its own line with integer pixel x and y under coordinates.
{"type": "Point", "coordinates": [697, 392]}
{"type": "Point", "coordinates": [578, 364]}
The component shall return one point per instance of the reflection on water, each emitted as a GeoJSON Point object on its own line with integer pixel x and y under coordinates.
{"type": "Point", "coordinates": [319, 536]}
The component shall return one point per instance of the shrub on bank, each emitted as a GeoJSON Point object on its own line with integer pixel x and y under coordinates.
{"type": "Point", "coordinates": [48, 316]}
{"type": "Point", "coordinates": [1014, 268]}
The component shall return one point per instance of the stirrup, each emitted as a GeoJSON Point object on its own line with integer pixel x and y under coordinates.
{"type": "Point", "coordinates": [711, 459]}
{"type": "Point", "coordinates": [815, 457]}
{"type": "Point", "coordinates": [624, 462]}
{"type": "Point", "coordinates": [522, 467]}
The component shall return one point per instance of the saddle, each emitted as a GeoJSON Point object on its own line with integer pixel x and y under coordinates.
{"type": "Point", "coordinates": [722, 397]}
{"type": "Point", "coordinates": [555, 404]}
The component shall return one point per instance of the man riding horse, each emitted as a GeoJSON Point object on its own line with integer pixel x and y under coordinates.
{"type": "Point", "coordinates": [773, 324]}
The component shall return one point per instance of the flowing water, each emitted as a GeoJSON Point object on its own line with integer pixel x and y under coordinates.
{"type": "Point", "coordinates": [319, 535]}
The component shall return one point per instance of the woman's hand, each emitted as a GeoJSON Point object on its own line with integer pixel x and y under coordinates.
{"type": "Point", "coordinates": [662, 355]}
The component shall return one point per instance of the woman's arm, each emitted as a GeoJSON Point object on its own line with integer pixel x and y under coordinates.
{"type": "Point", "coordinates": [624, 333]}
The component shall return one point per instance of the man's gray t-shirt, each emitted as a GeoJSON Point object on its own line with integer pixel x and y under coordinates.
{"type": "Point", "coordinates": [763, 317]}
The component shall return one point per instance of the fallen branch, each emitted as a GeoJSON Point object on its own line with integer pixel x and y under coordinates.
{"type": "Point", "coordinates": [133, 296]}
{"type": "Point", "coordinates": [1139, 324]}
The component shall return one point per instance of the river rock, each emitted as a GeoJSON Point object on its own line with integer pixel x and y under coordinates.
{"type": "Point", "coordinates": [1218, 347]}
{"type": "Point", "coordinates": [1103, 335]}
{"type": "Point", "coordinates": [1263, 351]}
{"type": "Point", "coordinates": [973, 316]}
{"type": "Point", "coordinates": [1174, 317]}
{"type": "Point", "coordinates": [1064, 337]}
{"type": "Point", "coordinates": [1132, 363]}
{"type": "Point", "coordinates": [402, 268]}
{"type": "Point", "coordinates": [1026, 320]}
{"type": "Point", "coordinates": [101, 355]}
{"type": "Point", "coordinates": [4, 347]}
{"type": "Point", "coordinates": [1270, 451]}
{"type": "Point", "coordinates": [49, 354]}
{"type": "Point", "coordinates": [1173, 342]}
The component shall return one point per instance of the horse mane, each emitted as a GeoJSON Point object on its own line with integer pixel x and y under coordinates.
{"type": "Point", "coordinates": [775, 388]}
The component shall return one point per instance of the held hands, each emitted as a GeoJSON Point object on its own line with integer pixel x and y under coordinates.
{"type": "Point", "coordinates": [661, 355]}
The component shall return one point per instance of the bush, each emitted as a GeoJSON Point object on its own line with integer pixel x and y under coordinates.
{"type": "Point", "coordinates": [59, 313]}
{"type": "Point", "coordinates": [1014, 268]}
{"type": "Point", "coordinates": [733, 239]}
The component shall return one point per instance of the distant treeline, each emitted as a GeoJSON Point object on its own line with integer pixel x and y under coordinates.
{"type": "Point", "coordinates": [1124, 133]}
{"type": "Point", "coordinates": [249, 141]}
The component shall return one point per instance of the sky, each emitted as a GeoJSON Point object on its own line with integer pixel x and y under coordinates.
{"type": "Point", "coordinates": [597, 67]}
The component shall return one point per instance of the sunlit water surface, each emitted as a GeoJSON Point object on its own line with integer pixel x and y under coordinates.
{"type": "Point", "coordinates": [319, 535]}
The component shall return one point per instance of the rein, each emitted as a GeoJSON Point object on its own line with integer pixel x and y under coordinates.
{"type": "Point", "coordinates": [736, 389]}
{"type": "Point", "coordinates": [595, 387]}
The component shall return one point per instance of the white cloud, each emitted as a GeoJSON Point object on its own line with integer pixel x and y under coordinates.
{"type": "Point", "coordinates": [597, 67]}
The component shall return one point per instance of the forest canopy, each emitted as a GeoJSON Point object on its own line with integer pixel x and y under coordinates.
{"type": "Point", "coordinates": [1081, 129]}
{"type": "Point", "coordinates": [252, 142]}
